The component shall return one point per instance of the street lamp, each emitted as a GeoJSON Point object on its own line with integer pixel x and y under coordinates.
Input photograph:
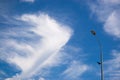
{"type": "Point", "coordinates": [101, 53]}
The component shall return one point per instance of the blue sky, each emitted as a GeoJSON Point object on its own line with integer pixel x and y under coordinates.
{"type": "Point", "coordinates": [51, 39]}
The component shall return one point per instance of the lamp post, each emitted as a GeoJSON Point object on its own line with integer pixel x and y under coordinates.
{"type": "Point", "coordinates": [101, 53]}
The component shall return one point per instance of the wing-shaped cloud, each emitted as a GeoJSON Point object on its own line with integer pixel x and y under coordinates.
{"type": "Point", "coordinates": [30, 46]}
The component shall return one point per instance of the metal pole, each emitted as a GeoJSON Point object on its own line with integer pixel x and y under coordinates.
{"type": "Point", "coordinates": [101, 53]}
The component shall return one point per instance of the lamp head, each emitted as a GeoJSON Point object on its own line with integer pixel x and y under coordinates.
{"type": "Point", "coordinates": [93, 32]}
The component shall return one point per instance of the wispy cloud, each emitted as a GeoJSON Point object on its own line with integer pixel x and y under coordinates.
{"type": "Point", "coordinates": [112, 70]}
{"type": "Point", "coordinates": [31, 1]}
{"type": "Point", "coordinates": [107, 12]}
{"type": "Point", "coordinates": [75, 70]}
{"type": "Point", "coordinates": [41, 79]}
{"type": "Point", "coordinates": [58, 61]}
{"type": "Point", "coordinates": [31, 47]}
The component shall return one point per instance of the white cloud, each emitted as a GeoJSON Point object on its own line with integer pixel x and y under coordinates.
{"type": "Point", "coordinates": [32, 54]}
{"type": "Point", "coordinates": [111, 2]}
{"type": "Point", "coordinates": [75, 70]}
{"type": "Point", "coordinates": [107, 11]}
{"type": "Point", "coordinates": [112, 69]}
{"type": "Point", "coordinates": [112, 24]}
{"type": "Point", "coordinates": [28, 1]}
{"type": "Point", "coordinates": [41, 79]}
